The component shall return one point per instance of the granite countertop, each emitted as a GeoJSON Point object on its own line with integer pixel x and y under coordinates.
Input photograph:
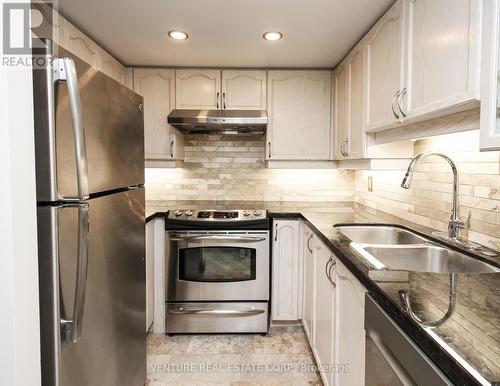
{"type": "Point", "coordinates": [472, 333]}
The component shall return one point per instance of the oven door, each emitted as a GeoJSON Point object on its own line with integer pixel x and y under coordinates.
{"type": "Point", "coordinates": [217, 266]}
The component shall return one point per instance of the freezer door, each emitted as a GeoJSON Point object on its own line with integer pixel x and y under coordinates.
{"type": "Point", "coordinates": [92, 299]}
{"type": "Point", "coordinates": [103, 132]}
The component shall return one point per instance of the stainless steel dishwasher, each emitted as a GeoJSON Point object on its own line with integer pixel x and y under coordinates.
{"type": "Point", "coordinates": [392, 358]}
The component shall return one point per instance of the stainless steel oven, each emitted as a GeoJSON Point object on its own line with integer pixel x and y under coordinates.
{"type": "Point", "coordinates": [217, 273]}
{"type": "Point", "coordinates": [217, 266]}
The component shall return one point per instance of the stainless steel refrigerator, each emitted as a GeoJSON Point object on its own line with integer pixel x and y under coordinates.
{"type": "Point", "coordinates": [89, 138]}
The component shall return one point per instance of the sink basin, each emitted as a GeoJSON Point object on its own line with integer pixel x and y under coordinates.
{"type": "Point", "coordinates": [380, 235]}
{"type": "Point", "coordinates": [428, 258]}
{"type": "Point", "coordinates": [386, 246]}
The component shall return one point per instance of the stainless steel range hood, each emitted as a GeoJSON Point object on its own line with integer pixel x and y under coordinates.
{"type": "Point", "coordinates": [219, 121]}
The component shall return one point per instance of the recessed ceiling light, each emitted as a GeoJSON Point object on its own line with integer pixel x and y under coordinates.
{"type": "Point", "coordinates": [272, 35]}
{"type": "Point", "coordinates": [177, 34]}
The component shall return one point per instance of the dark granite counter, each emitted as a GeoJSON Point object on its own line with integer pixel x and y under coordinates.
{"type": "Point", "coordinates": [466, 347]}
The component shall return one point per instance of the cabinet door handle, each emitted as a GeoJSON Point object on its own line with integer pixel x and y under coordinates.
{"type": "Point", "coordinates": [400, 97]}
{"type": "Point", "coordinates": [218, 94]}
{"type": "Point", "coordinates": [326, 266]}
{"type": "Point", "coordinates": [276, 232]}
{"type": "Point", "coordinates": [269, 146]}
{"type": "Point", "coordinates": [396, 95]}
{"type": "Point", "coordinates": [345, 147]}
{"type": "Point", "coordinates": [224, 100]}
{"type": "Point", "coordinates": [342, 148]}
{"type": "Point", "coordinates": [308, 246]}
{"type": "Point", "coordinates": [172, 148]}
{"type": "Point", "coordinates": [328, 270]}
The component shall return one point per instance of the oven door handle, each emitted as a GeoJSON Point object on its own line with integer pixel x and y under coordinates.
{"type": "Point", "coordinates": [218, 312]}
{"type": "Point", "coordinates": [218, 238]}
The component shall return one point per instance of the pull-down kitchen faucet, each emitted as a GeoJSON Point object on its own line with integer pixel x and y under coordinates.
{"type": "Point", "coordinates": [455, 224]}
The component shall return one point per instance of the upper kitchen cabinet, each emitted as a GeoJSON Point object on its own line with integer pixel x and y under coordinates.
{"type": "Point", "coordinates": [80, 44]}
{"type": "Point", "coordinates": [341, 108]}
{"type": "Point", "coordinates": [112, 67]}
{"type": "Point", "coordinates": [490, 76]}
{"type": "Point", "coordinates": [157, 86]}
{"type": "Point", "coordinates": [442, 57]}
{"type": "Point", "coordinates": [198, 89]}
{"type": "Point", "coordinates": [348, 105]}
{"type": "Point", "coordinates": [244, 90]}
{"type": "Point", "coordinates": [384, 70]}
{"type": "Point", "coordinates": [355, 143]}
{"type": "Point", "coordinates": [299, 105]}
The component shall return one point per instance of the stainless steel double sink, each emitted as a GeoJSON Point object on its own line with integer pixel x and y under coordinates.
{"type": "Point", "coordinates": [391, 247]}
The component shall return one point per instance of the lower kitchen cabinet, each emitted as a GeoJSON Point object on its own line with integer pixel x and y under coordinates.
{"type": "Point", "coordinates": [150, 246]}
{"type": "Point", "coordinates": [349, 326]}
{"type": "Point", "coordinates": [286, 270]}
{"type": "Point", "coordinates": [333, 315]}
{"type": "Point", "coordinates": [324, 336]}
{"type": "Point", "coordinates": [308, 287]}
{"type": "Point", "coordinates": [155, 255]}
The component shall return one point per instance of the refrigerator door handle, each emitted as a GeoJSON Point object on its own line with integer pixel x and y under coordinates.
{"type": "Point", "coordinates": [71, 329]}
{"type": "Point", "coordinates": [65, 70]}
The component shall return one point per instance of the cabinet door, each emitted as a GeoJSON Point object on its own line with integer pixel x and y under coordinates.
{"type": "Point", "coordinates": [299, 115]}
{"type": "Point", "coordinates": [356, 139]}
{"type": "Point", "coordinates": [490, 76]}
{"type": "Point", "coordinates": [384, 67]}
{"type": "Point", "coordinates": [150, 256]}
{"type": "Point", "coordinates": [79, 44]}
{"type": "Point", "coordinates": [111, 67]}
{"type": "Point", "coordinates": [197, 89]}
{"type": "Point", "coordinates": [308, 298]}
{"type": "Point", "coordinates": [323, 320]}
{"type": "Point", "coordinates": [244, 90]}
{"type": "Point", "coordinates": [350, 331]}
{"type": "Point", "coordinates": [341, 113]}
{"type": "Point", "coordinates": [285, 280]}
{"type": "Point", "coordinates": [157, 88]}
{"type": "Point", "coordinates": [442, 55]}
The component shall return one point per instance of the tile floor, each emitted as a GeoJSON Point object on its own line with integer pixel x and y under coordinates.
{"type": "Point", "coordinates": [283, 357]}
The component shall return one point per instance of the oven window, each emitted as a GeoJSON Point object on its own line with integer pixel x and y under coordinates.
{"type": "Point", "coordinates": [217, 264]}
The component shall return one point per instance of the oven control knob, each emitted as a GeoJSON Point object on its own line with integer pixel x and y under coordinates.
{"type": "Point", "coordinates": [246, 213]}
{"type": "Point", "coordinates": [178, 213]}
{"type": "Point", "coordinates": [189, 212]}
{"type": "Point", "coordinates": [256, 213]}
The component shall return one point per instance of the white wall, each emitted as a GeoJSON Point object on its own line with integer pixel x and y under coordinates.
{"type": "Point", "coordinates": [19, 321]}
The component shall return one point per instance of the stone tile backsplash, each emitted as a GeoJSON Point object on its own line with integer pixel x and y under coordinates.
{"type": "Point", "coordinates": [221, 167]}
{"type": "Point", "coordinates": [428, 202]}
{"type": "Point", "coordinates": [227, 168]}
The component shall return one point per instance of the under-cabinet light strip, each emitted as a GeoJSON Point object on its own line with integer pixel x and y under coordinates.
{"type": "Point", "coordinates": [457, 357]}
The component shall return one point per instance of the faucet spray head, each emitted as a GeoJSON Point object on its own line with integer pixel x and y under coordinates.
{"type": "Point", "coordinates": [406, 183]}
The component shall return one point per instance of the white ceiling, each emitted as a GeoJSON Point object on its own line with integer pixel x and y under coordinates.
{"type": "Point", "coordinates": [226, 33]}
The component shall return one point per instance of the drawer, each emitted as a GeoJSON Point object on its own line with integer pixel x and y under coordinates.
{"type": "Point", "coordinates": [217, 317]}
